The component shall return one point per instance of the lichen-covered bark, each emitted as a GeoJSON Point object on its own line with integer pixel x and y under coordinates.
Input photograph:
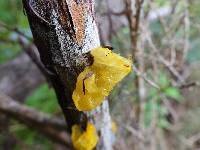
{"type": "Point", "coordinates": [64, 32]}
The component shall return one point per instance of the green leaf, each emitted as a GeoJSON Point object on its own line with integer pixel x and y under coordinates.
{"type": "Point", "coordinates": [43, 99]}
{"type": "Point", "coordinates": [173, 92]}
{"type": "Point", "coordinates": [30, 137]}
{"type": "Point", "coordinates": [162, 111]}
{"type": "Point", "coordinates": [163, 123]}
{"type": "Point", "coordinates": [163, 80]}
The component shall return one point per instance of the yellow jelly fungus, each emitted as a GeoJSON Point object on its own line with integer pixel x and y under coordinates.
{"type": "Point", "coordinates": [114, 127]}
{"type": "Point", "coordinates": [86, 140]}
{"type": "Point", "coordinates": [97, 80]}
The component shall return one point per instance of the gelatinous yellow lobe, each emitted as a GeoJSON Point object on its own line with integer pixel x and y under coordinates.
{"type": "Point", "coordinates": [97, 80]}
{"type": "Point", "coordinates": [86, 140]}
{"type": "Point", "coordinates": [114, 127]}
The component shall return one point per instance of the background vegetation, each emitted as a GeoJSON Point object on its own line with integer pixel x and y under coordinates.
{"type": "Point", "coordinates": [167, 117]}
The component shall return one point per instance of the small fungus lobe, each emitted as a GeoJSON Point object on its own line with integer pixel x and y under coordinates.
{"type": "Point", "coordinates": [97, 80]}
{"type": "Point", "coordinates": [84, 140]}
{"type": "Point", "coordinates": [114, 127]}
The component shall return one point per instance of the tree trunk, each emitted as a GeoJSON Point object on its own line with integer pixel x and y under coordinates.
{"type": "Point", "coordinates": [64, 32]}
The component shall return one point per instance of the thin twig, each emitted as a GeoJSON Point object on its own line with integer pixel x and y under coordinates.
{"type": "Point", "coordinates": [29, 49]}
{"type": "Point", "coordinates": [135, 132]}
{"type": "Point", "coordinates": [16, 30]}
{"type": "Point", "coordinates": [150, 82]}
{"type": "Point", "coordinates": [167, 64]}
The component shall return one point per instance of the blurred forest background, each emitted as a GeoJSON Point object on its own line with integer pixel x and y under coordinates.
{"type": "Point", "coordinates": [161, 112]}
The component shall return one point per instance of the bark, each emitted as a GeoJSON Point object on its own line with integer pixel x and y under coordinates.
{"type": "Point", "coordinates": [64, 32]}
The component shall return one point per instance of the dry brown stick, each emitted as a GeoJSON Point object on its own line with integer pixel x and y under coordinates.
{"type": "Point", "coordinates": [150, 82]}
{"type": "Point", "coordinates": [136, 133]}
{"type": "Point", "coordinates": [188, 85]}
{"type": "Point", "coordinates": [161, 59]}
{"type": "Point", "coordinates": [134, 20]}
{"type": "Point", "coordinates": [156, 86]}
{"type": "Point", "coordinates": [30, 50]}
{"type": "Point", "coordinates": [111, 31]}
{"type": "Point", "coordinates": [19, 77]}
{"type": "Point", "coordinates": [172, 70]}
{"type": "Point", "coordinates": [137, 54]}
{"type": "Point", "coordinates": [50, 126]}
{"type": "Point", "coordinates": [186, 34]}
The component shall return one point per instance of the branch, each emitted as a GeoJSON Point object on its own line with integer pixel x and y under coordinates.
{"type": "Point", "coordinates": [16, 30]}
{"type": "Point", "coordinates": [31, 52]}
{"type": "Point", "coordinates": [137, 53]}
{"type": "Point", "coordinates": [64, 33]}
{"type": "Point", "coordinates": [150, 82]}
{"type": "Point", "coordinates": [28, 48]}
{"type": "Point", "coordinates": [170, 67]}
{"type": "Point", "coordinates": [19, 77]}
{"type": "Point", "coordinates": [45, 124]}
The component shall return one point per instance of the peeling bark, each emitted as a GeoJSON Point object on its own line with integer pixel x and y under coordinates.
{"type": "Point", "coordinates": [64, 32]}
